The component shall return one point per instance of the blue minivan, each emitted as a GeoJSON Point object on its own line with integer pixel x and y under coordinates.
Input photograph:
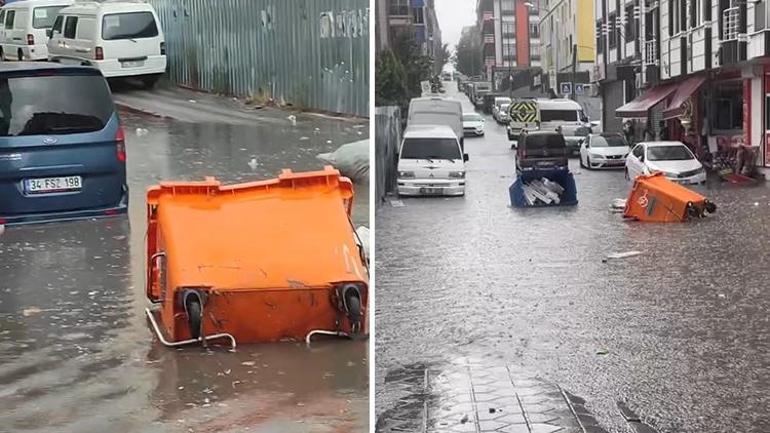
{"type": "Point", "coordinates": [62, 148]}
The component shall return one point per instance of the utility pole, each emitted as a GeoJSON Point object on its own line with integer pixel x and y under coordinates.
{"type": "Point", "coordinates": [574, 71]}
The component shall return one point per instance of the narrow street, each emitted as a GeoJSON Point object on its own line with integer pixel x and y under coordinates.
{"type": "Point", "coordinates": [76, 351]}
{"type": "Point", "coordinates": [678, 333]}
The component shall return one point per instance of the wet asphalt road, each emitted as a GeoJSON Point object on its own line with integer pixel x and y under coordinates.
{"type": "Point", "coordinates": [76, 352]}
{"type": "Point", "coordinates": [681, 332]}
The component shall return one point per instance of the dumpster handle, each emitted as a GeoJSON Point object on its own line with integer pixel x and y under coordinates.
{"type": "Point", "coordinates": [322, 332]}
{"type": "Point", "coordinates": [185, 342]}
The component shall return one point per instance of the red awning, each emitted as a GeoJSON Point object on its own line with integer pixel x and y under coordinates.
{"type": "Point", "coordinates": [639, 107]}
{"type": "Point", "coordinates": [684, 91]}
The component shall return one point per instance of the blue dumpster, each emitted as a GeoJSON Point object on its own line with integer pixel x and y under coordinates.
{"type": "Point", "coordinates": [561, 176]}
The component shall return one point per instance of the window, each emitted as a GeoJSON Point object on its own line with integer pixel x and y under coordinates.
{"type": "Point", "coordinates": [509, 29]}
{"type": "Point", "coordinates": [558, 115]}
{"type": "Point", "coordinates": [509, 48]}
{"type": "Point", "coordinates": [399, 7]}
{"type": "Point", "coordinates": [675, 7]}
{"type": "Point", "coordinates": [638, 151]}
{"type": "Point", "coordinates": [727, 107]}
{"type": "Point", "coordinates": [70, 26]}
{"type": "Point", "coordinates": [9, 18]}
{"type": "Point", "coordinates": [86, 29]}
{"type": "Point", "coordinates": [419, 15]}
{"type": "Point", "coordinates": [669, 153]}
{"type": "Point", "coordinates": [57, 25]}
{"type": "Point", "coordinates": [534, 30]}
{"type": "Point", "coordinates": [42, 18]}
{"type": "Point", "coordinates": [599, 38]}
{"type": "Point", "coordinates": [54, 104]}
{"type": "Point", "coordinates": [630, 24]}
{"type": "Point", "coordinates": [430, 148]}
{"type": "Point", "coordinates": [613, 33]}
{"type": "Point", "coordinates": [2, 18]}
{"type": "Point", "coordinates": [132, 25]}
{"type": "Point", "coordinates": [759, 15]}
{"type": "Point", "coordinates": [507, 6]}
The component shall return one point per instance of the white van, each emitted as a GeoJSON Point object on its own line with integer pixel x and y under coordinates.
{"type": "Point", "coordinates": [430, 162]}
{"type": "Point", "coordinates": [24, 28]}
{"type": "Point", "coordinates": [435, 110]}
{"type": "Point", "coordinates": [567, 117]}
{"type": "Point", "coordinates": [120, 38]}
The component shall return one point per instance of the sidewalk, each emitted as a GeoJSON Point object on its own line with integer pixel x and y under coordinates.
{"type": "Point", "coordinates": [478, 397]}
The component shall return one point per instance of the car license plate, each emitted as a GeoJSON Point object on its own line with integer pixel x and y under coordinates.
{"type": "Point", "coordinates": [430, 191]}
{"type": "Point", "coordinates": [53, 184]}
{"type": "Point", "coordinates": [132, 64]}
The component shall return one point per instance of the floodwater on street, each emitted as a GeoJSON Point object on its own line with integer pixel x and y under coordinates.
{"type": "Point", "coordinates": [77, 353]}
{"type": "Point", "coordinates": [680, 332]}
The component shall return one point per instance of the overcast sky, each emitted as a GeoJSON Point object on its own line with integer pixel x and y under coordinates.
{"type": "Point", "coordinates": [453, 15]}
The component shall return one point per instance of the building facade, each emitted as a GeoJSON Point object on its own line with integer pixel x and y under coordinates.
{"type": "Point", "coordinates": [415, 16]}
{"type": "Point", "coordinates": [510, 36]}
{"type": "Point", "coordinates": [697, 66]}
{"type": "Point", "coordinates": [567, 41]}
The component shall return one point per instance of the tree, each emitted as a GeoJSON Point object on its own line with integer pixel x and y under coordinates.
{"type": "Point", "coordinates": [468, 57]}
{"type": "Point", "coordinates": [390, 80]}
{"type": "Point", "coordinates": [441, 58]}
{"type": "Point", "coordinates": [417, 66]}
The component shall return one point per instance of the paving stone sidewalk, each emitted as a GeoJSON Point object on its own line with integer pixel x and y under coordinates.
{"type": "Point", "coordinates": [471, 396]}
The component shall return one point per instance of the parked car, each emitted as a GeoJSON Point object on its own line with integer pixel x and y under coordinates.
{"type": "Point", "coordinates": [431, 162]}
{"type": "Point", "coordinates": [604, 151]}
{"type": "Point", "coordinates": [25, 26]}
{"type": "Point", "coordinates": [121, 39]}
{"type": "Point", "coordinates": [473, 124]}
{"type": "Point", "coordinates": [501, 116]}
{"type": "Point", "coordinates": [499, 102]}
{"type": "Point", "coordinates": [673, 158]}
{"type": "Point", "coordinates": [541, 149]}
{"type": "Point", "coordinates": [62, 148]}
{"type": "Point", "coordinates": [566, 116]}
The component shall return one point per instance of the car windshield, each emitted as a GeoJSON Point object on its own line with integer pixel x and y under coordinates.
{"type": "Point", "coordinates": [131, 25]}
{"type": "Point", "coordinates": [430, 148]}
{"type": "Point", "coordinates": [42, 18]}
{"type": "Point", "coordinates": [54, 105]}
{"type": "Point", "coordinates": [608, 141]}
{"type": "Point", "coordinates": [544, 141]}
{"type": "Point", "coordinates": [504, 108]}
{"type": "Point", "coordinates": [472, 118]}
{"type": "Point", "coordinates": [556, 115]}
{"type": "Point", "coordinates": [669, 153]}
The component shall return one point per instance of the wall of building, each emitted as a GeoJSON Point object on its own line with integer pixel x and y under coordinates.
{"type": "Point", "coordinates": [309, 53]}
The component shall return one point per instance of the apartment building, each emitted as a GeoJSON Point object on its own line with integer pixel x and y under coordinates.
{"type": "Point", "coordinates": [568, 50]}
{"type": "Point", "coordinates": [510, 37]}
{"type": "Point", "coordinates": [415, 16]}
{"type": "Point", "coordinates": [696, 65]}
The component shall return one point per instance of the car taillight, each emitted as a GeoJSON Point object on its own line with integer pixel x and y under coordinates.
{"type": "Point", "coordinates": [99, 53]}
{"type": "Point", "coordinates": [162, 48]}
{"type": "Point", "coordinates": [120, 144]}
{"type": "Point", "coordinates": [30, 39]}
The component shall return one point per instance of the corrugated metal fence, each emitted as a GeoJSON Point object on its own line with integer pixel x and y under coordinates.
{"type": "Point", "coordinates": [308, 53]}
{"type": "Point", "coordinates": [387, 131]}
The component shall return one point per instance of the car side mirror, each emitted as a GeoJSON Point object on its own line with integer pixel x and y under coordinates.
{"type": "Point", "coordinates": [49, 33]}
{"type": "Point", "coordinates": [641, 158]}
{"type": "Point", "coordinates": [465, 157]}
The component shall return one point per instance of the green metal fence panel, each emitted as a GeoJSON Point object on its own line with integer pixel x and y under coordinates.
{"type": "Point", "coordinates": [307, 53]}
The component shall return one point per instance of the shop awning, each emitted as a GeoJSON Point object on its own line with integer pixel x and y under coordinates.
{"type": "Point", "coordinates": [639, 107]}
{"type": "Point", "coordinates": [684, 91]}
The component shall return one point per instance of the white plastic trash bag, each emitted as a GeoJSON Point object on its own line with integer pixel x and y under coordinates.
{"type": "Point", "coordinates": [352, 160]}
{"type": "Point", "coordinates": [363, 235]}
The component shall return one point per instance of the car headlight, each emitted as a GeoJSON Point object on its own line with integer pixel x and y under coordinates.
{"type": "Point", "coordinates": [595, 156]}
{"type": "Point", "coordinates": [457, 174]}
{"type": "Point", "coordinates": [405, 174]}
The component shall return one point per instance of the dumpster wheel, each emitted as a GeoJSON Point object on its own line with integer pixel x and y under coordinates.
{"type": "Point", "coordinates": [194, 316]}
{"type": "Point", "coordinates": [353, 303]}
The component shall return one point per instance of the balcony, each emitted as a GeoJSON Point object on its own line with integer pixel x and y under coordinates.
{"type": "Point", "coordinates": [489, 39]}
{"type": "Point", "coordinates": [399, 10]}
{"type": "Point", "coordinates": [651, 52]}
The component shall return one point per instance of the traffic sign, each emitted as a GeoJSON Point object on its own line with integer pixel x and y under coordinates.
{"type": "Point", "coordinates": [580, 89]}
{"type": "Point", "coordinates": [565, 88]}
{"type": "Point", "coordinates": [425, 85]}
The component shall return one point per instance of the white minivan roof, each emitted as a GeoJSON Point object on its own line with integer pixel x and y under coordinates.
{"type": "Point", "coordinates": [93, 8]}
{"type": "Point", "coordinates": [429, 131]}
{"type": "Point", "coordinates": [25, 4]}
{"type": "Point", "coordinates": [558, 104]}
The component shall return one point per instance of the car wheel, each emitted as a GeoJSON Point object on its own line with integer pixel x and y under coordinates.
{"type": "Point", "coordinates": [588, 162]}
{"type": "Point", "coordinates": [625, 173]}
{"type": "Point", "coordinates": [2, 55]}
{"type": "Point", "coordinates": [580, 158]}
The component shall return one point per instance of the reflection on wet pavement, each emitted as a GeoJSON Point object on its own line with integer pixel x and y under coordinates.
{"type": "Point", "coordinates": [680, 332]}
{"type": "Point", "coordinates": [76, 352]}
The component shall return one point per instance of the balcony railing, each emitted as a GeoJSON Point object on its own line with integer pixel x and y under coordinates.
{"type": "Point", "coordinates": [651, 52]}
{"type": "Point", "coordinates": [731, 21]}
{"type": "Point", "coordinates": [489, 39]}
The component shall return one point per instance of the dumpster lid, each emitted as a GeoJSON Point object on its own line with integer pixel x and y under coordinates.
{"type": "Point", "coordinates": [293, 231]}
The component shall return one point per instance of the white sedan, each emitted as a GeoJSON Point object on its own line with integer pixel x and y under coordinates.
{"type": "Point", "coordinates": [673, 158]}
{"type": "Point", "coordinates": [603, 151]}
{"type": "Point", "coordinates": [473, 124]}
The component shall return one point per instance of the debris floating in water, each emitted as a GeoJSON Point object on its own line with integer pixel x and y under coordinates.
{"type": "Point", "coordinates": [624, 255]}
{"type": "Point", "coordinates": [141, 131]}
{"type": "Point", "coordinates": [293, 120]}
{"type": "Point", "coordinates": [31, 311]}
{"type": "Point", "coordinates": [253, 164]}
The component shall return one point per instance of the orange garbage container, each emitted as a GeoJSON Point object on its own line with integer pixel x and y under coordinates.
{"type": "Point", "coordinates": [655, 198]}
{"type": "Point", "coordinates": [274, 260]}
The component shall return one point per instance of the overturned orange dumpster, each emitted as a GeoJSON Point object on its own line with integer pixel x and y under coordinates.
{"type": "Point", "coordinates": [655, 198]}
{"type": "Point", "coordinates": [267, 261]}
